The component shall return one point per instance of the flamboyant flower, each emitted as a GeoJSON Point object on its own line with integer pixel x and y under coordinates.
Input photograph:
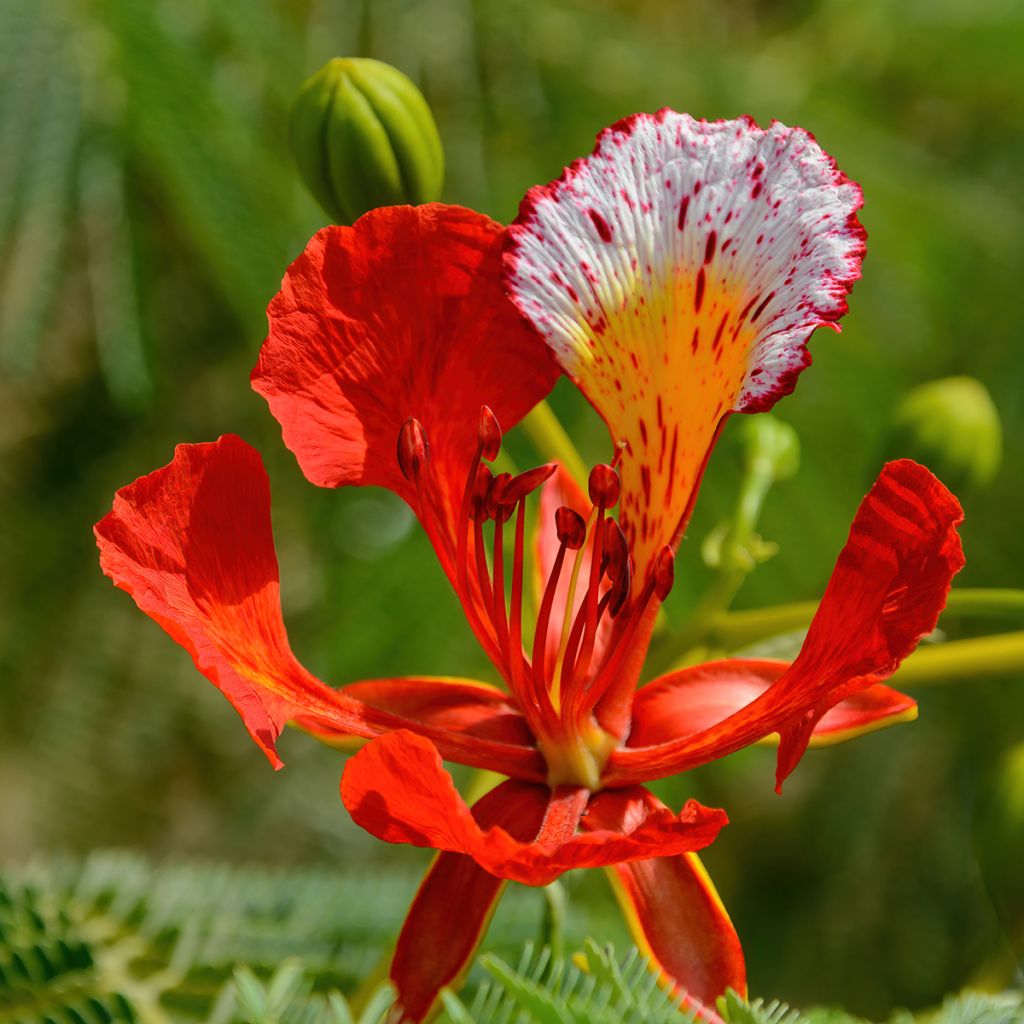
{"type": "Point", "coordinates": [675, 275]}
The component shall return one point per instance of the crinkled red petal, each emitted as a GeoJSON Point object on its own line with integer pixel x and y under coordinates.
{"type": "Point", "coordinates": [700, 697]}
{"type": "Point", "coordinates": [886, 592]}
{"type": "Point", "coordinates": [192, 543]}
{"type": "Point", "coordinates": [400, 315]}
{"type": "Point", "coordinates": [436, 945]}
{"type": "Point", "coordinates": [397, 789]}
{"type": "Point", "coordinates": [675, 914]}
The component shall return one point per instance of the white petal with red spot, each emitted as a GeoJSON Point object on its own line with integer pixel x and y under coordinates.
{"type": "Point", "coordinates": [676, 274]}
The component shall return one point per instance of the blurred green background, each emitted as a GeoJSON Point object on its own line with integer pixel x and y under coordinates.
{"type": "Point", "coordinates": [147, 212]}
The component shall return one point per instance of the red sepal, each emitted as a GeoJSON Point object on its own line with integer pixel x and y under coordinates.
{"type": "Point", "coordinates": [693, 699]}
{"type": "Point", "coordinates": [424, 963]}
{"type": "Point", "coordinates": [397, 789]}
{"type": "Point", "coordinates": [886, 592]}
{"type": "Point", "coordinates": [192, 543]}
{"type": "Point", "coordinates": [674, 913]}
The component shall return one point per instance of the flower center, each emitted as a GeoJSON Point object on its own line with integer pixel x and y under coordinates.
{"type": "Point", "coordinates": [590, 607]}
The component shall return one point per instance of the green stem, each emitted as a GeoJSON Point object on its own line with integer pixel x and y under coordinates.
{"type": "Point", "coordinates": [550, 439]}
{"type": "Point", "coordinates": [737, 629]}
{"type": "Point", "coordinates": [981, 658]}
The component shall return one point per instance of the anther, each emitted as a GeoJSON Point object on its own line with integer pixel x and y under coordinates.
{"type": "Point", "coordinates": [488, 434]}
{"type": "Point", "coordinates": [604, 486]}
{"type": "Point", "coordinates": [523, 484]}
{"type": "Point", "coordinates": [616, 550]}
{"type": "Point", "coordinates": [479, 508]}
{"type": "Point", "coordinates": [664, 572]}
{"type": "Point", "coordinates": [497, 507]}
{"type": "Point", "coordinates": [413, 449]}
{"type": "Point", "coordinates": [570, 527]}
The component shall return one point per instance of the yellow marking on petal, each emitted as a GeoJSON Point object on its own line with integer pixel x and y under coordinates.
{"type": "Point", "coordinates": [664, 369]}
{"type": "Point", "coordinates": [835, 737]}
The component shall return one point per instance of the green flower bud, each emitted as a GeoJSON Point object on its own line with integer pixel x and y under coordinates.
{"type": "Point", "coordinates": [363, 136]}
{"type": "Point", "coordinates": [999, 841]}
{"type": "Point", "coordinates": [952, 427]}
{"type": "Point", "coordinates": [768, 443]}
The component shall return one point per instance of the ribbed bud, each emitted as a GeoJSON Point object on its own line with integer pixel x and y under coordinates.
{"type": "Point", "coordinates": [664, 572]}
{"type": "Point", "coordinates": [489, 433]}
{"type": "Point", "coordinates": [413, 449]}
{"type": "Point", "coordinates": [570, 527]}
{"type": "Point", "coordinates": [952, 427]}
{"type": "Point", "coordinates": [363, 136]}
{"type": "Point", "coordinates": [604, 486]}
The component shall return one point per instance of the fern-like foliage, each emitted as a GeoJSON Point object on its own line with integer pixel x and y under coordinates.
{"type": "Point", "coordinates": [111, 939]}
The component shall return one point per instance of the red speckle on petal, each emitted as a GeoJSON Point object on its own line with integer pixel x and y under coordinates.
{"type": "Point", "coordinates": [601, 225]}
{"type": "Point", "coordinates": [709, 248]}
{"type": "Point", "coordinates": [683, 207]}
{"type": "Point", "coordinates": [698, 297]}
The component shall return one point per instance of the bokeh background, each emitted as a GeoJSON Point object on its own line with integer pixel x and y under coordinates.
{"type": "Point", "coordinates": [147, 211]}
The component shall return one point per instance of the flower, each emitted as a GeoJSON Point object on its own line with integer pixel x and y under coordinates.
{"type": "Point", "coordinates": [675, 276]}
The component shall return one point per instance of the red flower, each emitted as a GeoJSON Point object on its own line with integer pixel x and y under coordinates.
{"type": "Point", "coordinates": [675, 275]}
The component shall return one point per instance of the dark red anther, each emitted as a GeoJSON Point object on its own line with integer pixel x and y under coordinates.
{"type": "Point", "coordinates": [616, 550]}
{"type": "Point", "coordinates": [479, 505]}
{"type": "Point", "coordinates": [413, 449]}
{"type": "Point", "coordinates": [604, 486]}
{"type": "Point", "coordinates": [489, 434]}
{"type": "Point", "coordinates": [664, 572]}
{"type": "Point", "coordinates": [620, 591]}
{"type": "Point", "coordinates": [496, 496]}
{"type": "Point", "coordinates": [525, 483]}
{"type": "Point", "coordinates": [570, 527]}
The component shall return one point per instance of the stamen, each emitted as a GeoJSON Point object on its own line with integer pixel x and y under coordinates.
{"type": "Point", "coordinates": [413, 449]}
{"type": "Point", "coordinates": [572, 532]}
{"type": "Point", "coordinates": [488, 434]}
{"type": "Point", "coordinates": [604, 686]}
{"type": "Point", "coordinates": [604, 486]}
{"type": "Point", "coordinates": [515, 624]}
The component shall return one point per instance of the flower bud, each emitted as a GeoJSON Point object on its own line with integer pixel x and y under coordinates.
{"type": "Point", "coordinates": [363, 136]}
{"type": "Point", "coordinates": [767, 441]}
{"type": "Point", "coordinates": [952, 427]}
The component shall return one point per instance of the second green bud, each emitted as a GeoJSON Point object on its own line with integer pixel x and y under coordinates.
{"type": "Point", "coordinates": [363, 136]}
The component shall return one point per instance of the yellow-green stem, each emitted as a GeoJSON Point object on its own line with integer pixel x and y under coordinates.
{"type": "Point", "coordinates": [736, 629]}
{"type": "Point", "coordinates": [964, 660]}
{"type": "Point", "coordinates": [552, 442]}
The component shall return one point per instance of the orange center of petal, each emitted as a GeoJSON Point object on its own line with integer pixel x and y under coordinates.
{"type": "Point", "coordinates": [664, 369]}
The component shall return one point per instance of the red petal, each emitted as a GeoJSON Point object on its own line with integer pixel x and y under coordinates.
{"type": "Point", "coordinates": [454, 705]}
{"type": "Point", "coordinates": [677, 274]}
{"type": "Point", "coordinates": [397, 790]}
{"type": "Point", "coordinates": [401, 315]}
{"type": "Point", "coordinates": [675, 914]}
{"type": "Point", "coordinates": [694, 699]}
{"type": "Point", "coordinates": [436, 945]}
{"type": "Point", "coordinates": [192, 544]}
{"type": "Point", "coordinates": [886, 592]}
